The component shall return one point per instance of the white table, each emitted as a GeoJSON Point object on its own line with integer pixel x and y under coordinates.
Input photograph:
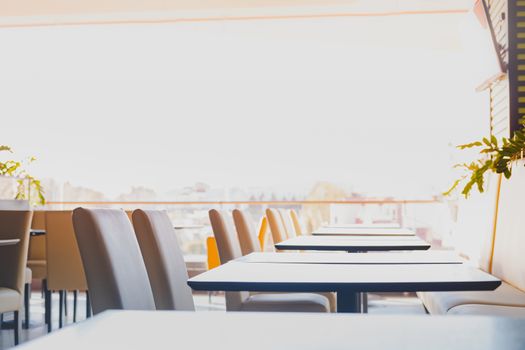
{"type": "Point", "coordinates": [347, 280]}
{"type": "Point", "coordinates": [383, 225]}
{"type": "Point", "coordinates": [412, 257]}
{"type": "Point", "coordinates": [353, 243]}
{"type": "Point", "coordinates": [5, 242]}
{"type": "Point", "coordinates": [283, 331]}
{"type": "Point", "coordinates": [364, 231]}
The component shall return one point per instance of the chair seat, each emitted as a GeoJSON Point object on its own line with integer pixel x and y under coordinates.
{"type": "Point", "coordinates": [442, 302]}
{"type": "Point", "coordinates": [28, 276]}
{"type": "Point", "coordinates": [10, 300]}
{"type": "Point", "coordinates": [287, 302]}
{"type": "Point", "coordinates": [488, 310]}
{"type": "Point", "coordinates": [39, 268]}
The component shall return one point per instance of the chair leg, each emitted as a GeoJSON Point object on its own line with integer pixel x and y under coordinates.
{"type": "Point", "coordinates": [17, 327]}
{"type": "Point", "coordinates": [75, 297]}
{"type": "Point", "coordinates": [60, 307]}
{"type": "Point", "coordinates": [27, 294]}
{"type": "Point", "coordinates": [49, 307]}
{"type": "Point", "coordinates": [65, 303]}
{"type": "Point", "coordinates": [88, 305]}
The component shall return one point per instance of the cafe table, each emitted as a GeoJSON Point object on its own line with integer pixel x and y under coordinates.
{"type": "Point", "coordinates": [347, 280]}
{"type": "Point", "coordinates": [353, 243]}
{"type": "Point", "coordinates": [5, 242]}
{"type": "Point", "coordinates": [363, 231]}
{"type": "Point", "coordinates": [411, 257]}
{"type": "Point", "coordinates": [374, 225]}
{"type": "Point", "coordinates": [125, 329]}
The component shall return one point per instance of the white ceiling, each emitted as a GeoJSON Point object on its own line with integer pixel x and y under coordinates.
{"type": "Point", "coordinates": [14, 13]}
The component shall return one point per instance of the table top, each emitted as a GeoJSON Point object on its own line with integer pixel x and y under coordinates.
{"type": "Point", "coordinates": [284, 331]}
{"type": "Point", "coordinates": [4, 242]}
{"type": "Point", "coordinates": [363, 231]}
{"type": "Point", "coordinates": [353, 243]}
{"type": "Point", "coordinates": [412, 257]}
{"type": "Point", "coordinates": [275, 277]}
{"type": "Point", "coordinates": [383, 225]}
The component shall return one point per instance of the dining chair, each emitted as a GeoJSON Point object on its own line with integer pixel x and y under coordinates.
{"type": "Point", "coordinates": [65, 271]}
{"type": "Point", "coordinates": [14, 224]}
{"type": "Point", "coordinates": [287, 223]}
{"type": "Point", "coordinates": [212, 258]}
{"type": "Point", "coordinates": [115, 271]}
{"type": "Point", "coordinates": [247, 239]}
{"type": "Point", "coordinates": [276, 226]}
{"type": "Point", "coordinates": [229, 249]}
{"type": "Point", "coordinates": [36, 259]}
{"type": "Point", "coordinates": [296, 222]}
{"type": "Point", "coordinates": [163, 259]}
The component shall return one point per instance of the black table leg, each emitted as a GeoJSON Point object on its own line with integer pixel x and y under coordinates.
{"type": "Point", "coordinates": [348, 302]}
{"type": "Point", "coordinates": [364, 300]}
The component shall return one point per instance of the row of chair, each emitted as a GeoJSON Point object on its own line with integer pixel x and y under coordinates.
{"type": "Point", "coordinates": [141, 267]}
{"type": "Point", "coordinates": [96, 232]}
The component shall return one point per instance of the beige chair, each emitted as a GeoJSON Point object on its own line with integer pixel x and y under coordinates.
{"type": "Point", "coordinates": [229, 249]}
{"type": "Point", "coordinates": [287, 223]}
{"type": "Point", "coordinates": [296, 222]}
{"type": "Point", "coordinates": [13, 260]}
{"type": "Point", "coordinates": [65, 271]}
{"type": "Point", "coordinates": [115, 271]}
{"type": "Point", "coordinates": [36, 260]}
{"type": "Point", "coordinates": [164, 260]}
{"type": "Point", "coordinates": [243, 226]}
{"type": "Point", "coordinates": [276, 226]}
{"type": "Point", "coordinates": [244, 232]}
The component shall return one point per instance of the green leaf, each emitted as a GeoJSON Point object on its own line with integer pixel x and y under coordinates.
{"type": "Point", "coordinates": [470, 145]}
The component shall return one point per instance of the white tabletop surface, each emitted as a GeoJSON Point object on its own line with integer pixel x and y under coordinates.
{"type": "Point", "coordinates": [384, 225]}
{"type": "Point", "coordinates": [412, 257]}
{"type": "Point", "coordinates": [283, 331]}
{"type": "Point", "coordinates": [363, 231]}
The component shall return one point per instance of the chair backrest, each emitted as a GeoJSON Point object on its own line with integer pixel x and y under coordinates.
{"type": "Point", "coordinates": [296, 222]}
{"type": "Point", "coordinates": [287, 223]}
{"type": "Point", "coordinates": [37, 244]}
{"type": "Point", "coordinates": [115, 271]}
{"type": "Point", "coordinates": [213, 259]}
{"type": "Point", "coordinates": [262, 233]}
{"type": "Point", "coordinates": [64, 265]}
{"type": "Point", "coordinates": [227, 242]}
{"type": "Point", "coordinates": [276, 225]}
{"type": "Point", "coordinates": [229, 249]}
{"type": "Point", "coordinates": [247, 238]}
{"type": "Point", "coordinates": [508, 260]}
{"type": "Point", "coordinates": [14, 224]}
{"type": "Point", "coordinates": [164, 260]}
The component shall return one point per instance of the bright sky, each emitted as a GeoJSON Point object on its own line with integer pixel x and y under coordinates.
{"type": "Point", "coordinates": [372, 104]}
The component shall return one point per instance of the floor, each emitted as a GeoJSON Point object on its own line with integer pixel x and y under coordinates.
{"type": "Point", "coordinates": [378, 304]}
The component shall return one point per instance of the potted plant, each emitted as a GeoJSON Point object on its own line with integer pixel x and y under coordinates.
{"type": "Point", "coordinates": [27, 184]}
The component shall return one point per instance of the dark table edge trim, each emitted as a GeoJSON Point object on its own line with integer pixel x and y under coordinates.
{"type": "Point", "coordinates": [351, 248]}
{"type": "Point", "coordinates": [343, 287]}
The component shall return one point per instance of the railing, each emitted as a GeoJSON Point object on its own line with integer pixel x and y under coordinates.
{"type": "Point", "coordinates": [192, 223]}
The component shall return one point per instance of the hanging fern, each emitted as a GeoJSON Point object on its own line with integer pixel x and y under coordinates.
{"type": "Point", "coordinates": [495, 156]}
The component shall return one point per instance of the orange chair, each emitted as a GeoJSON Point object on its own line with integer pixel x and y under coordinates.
{"type": "Point", "coordinates": [213, 253]}
{"type": "Point", "coordinates": [262, 232]}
